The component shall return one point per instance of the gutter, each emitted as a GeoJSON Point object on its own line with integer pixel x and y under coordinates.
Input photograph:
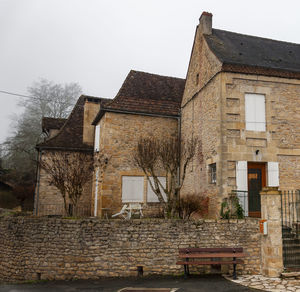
{"type": "Point", "coordinates": [37, 187]}
{"type": "Point", "coordinates": [40, 148]}
{"type": "Point", "coordinates": [99, 116]}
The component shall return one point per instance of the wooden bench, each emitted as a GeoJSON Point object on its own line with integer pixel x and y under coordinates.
{"type": "Point", "coordinates": [210, 256]}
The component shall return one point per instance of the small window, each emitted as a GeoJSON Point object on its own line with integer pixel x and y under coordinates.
{"type": "Point", "coordinates": [97, 138]}
{"type": "Point", "coordinates": [213, 173]}
{"type": "Point", "coordinates": [255, 113]}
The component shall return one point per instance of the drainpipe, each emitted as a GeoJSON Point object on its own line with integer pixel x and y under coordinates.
{"type": "Point", "coordinates": [179, 141]}
{"type": "Point", "coordinates": [96, 193]}
{"type": "Point", "coordinates": [37, 187]}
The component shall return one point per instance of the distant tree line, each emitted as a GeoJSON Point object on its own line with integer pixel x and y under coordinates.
{"type": "Point", "coordinates": [18, 154]}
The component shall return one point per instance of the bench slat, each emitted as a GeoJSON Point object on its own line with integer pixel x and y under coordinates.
{"type": "Point", "coordinates": [213, 255]}
{"type": "Point", "coordinates": [210, 249]}
{"type": "Point", "coordinates": [238, 261]}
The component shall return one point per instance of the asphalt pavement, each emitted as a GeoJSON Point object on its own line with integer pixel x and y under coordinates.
{"type": "Point", "coordinates": [213, 283]}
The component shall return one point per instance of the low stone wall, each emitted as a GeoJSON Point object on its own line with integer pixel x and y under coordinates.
{"type": "Point", "coordinates": [50, 248]}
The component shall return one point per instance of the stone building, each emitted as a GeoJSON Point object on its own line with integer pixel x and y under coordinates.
{"type": "Point", "coordinates": [72, 135]}
{"type": "Point", "coordinates": [240, 99]}
{"type": "Point", "coordinates": [147, 105]}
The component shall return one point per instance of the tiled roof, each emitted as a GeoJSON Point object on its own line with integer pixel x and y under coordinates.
{"type": "Point", "coordinates": [70, 136]}
{"type": "Point", "coordinates": [52, 123]}
{"type": "Point", "coordinates": [237, 51]}
{"type": "Point", "coordinates": [145, 93]}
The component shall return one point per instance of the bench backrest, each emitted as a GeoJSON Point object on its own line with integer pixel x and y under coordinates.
{"type": "Point", "coordinates": [210, 249]}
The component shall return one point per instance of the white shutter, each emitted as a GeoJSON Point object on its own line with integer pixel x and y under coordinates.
{"type": "Point", "coordinates": [273, 174]}
{"type": "Point", "coordinates": [151, 196]}
{"type": "Point", "coordinates": [242, 184]}
{"type": "Point", "coordinates": [260, 112]}
{"type": "Point", "coordinates": [255, 112]}
{"type": "Point", "coordinates": [250, 112]}
{"type": "Point", "coordinates": [132, 189]}
{"type": "Point", "coordinates": [97, 138]}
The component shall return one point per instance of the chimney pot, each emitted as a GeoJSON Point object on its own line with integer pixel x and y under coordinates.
{"type": "Point", "coordinates": [205, 23]}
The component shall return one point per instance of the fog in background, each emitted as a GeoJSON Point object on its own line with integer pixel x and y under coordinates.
{"type": "Point", "coordinates": [97, 42]}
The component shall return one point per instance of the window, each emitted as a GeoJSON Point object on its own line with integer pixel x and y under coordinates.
{"type": "Point", "coordinates": [132, 189]}
{"type": "Point", "coordinates": [97, 138]}
{"type": "Point", "coordinates": [213, 173]}
{"type": "Point", "coordinates": [151, 196]}
{"type": "Point", "coordinates": [255, 112]}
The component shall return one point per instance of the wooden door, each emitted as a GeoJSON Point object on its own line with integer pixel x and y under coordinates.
{"type": "Point", "coordinates": [256, 181]}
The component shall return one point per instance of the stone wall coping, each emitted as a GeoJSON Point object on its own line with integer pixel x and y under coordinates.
{"type": "Point", "coordinates": [132, 221]}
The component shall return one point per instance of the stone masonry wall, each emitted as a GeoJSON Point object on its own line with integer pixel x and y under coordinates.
{"type": "Point", "coordinates": [52, 248]}
{"type": "Point", "coordinates": [281, 140]}
{"type": "Point", "coordinates": [49, 200]}
{"type": "Point", "coordinates": [119, 134]}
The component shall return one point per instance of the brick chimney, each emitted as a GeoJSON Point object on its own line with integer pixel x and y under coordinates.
{"type": "Point", "coordinates": [205, 23]}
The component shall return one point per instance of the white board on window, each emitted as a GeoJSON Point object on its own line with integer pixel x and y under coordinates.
{"type": "Point", "coordinates": [132, 189]}
{"type": "Point", "coordinates": [151, 196]}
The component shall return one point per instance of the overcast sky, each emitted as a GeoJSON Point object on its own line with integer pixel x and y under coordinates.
{"type": "Point", "coordinates": [97, 42]}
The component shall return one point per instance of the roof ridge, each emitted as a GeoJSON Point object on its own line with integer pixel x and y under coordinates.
{"type": "Point", "coordinates": [154, 74]}
{"type": "Point", "coordinates": [253, 36]}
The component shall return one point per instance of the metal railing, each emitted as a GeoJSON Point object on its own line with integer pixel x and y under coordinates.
{"type": "Point", "coordinates": [243, 200]}
{"type": "Point", "coordinates": [290, 222]}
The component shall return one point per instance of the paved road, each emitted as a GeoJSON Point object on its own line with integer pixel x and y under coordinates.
{"type": "Point", "coordinates": [196, 283]}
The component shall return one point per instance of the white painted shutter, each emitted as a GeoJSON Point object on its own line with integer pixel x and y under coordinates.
{"type": "Point", "coordinates": [151, 196]}
{"type": "Point", "coordinates": [97, 138]}
{"type": "Point", "coordinates": [250, 112]}
{"type": "Point", "coordinates": [242, 184]}
{"type": "Point", "coordinates": [255, 112]}
{"type": "Point", "coordinates": [273, 174]}
{"type": "Point", "coordinates": [132, 189]}
{"type": "Point", "coordinates": [260, 112]}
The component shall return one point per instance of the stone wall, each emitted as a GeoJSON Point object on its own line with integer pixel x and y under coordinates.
{"type": "Point", "coordinates": [48, 199]}
{"type": "Point", "coordinates": [281, 140]}
{"type": "Point", "coordinates": [49, 248]}
{"type": "Point", "coordinates": [119, 134]}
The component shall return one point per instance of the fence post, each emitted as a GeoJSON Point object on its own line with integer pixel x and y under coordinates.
{"type": "Point", "coordinates": [271, 244]}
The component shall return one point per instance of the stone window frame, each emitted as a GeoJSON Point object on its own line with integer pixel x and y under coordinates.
{"type": "Point", "coordinates": [212, 171]}
{"type": "Point", "coordinates": [145, 189]}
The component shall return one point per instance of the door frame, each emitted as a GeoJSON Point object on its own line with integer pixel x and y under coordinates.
{"type": "Point", "coordinates": [262, 166]}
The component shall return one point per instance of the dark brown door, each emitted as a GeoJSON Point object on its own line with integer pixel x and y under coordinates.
{"type": "Point", "coordinates": [256, 181]}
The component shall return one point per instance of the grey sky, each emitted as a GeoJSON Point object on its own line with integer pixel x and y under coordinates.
{"type": "Point", "coordinates": [97, 42]}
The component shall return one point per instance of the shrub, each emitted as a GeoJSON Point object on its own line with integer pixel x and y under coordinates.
{"type": "Point", "coordinates": [231, 208]}
{"type": "Point", "coordinates": [192, 204]}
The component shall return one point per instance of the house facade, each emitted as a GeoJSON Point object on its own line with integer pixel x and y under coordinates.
{"type": "Point", "coordinates": [240, 99]}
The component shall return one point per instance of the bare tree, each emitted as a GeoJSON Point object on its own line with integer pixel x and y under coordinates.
{"type": "Point", "coordinates": [69, 172]}
{"type": "Point", "coordinates": [169, 156]}
{"type": "Point", "coordinates": [47, 100]}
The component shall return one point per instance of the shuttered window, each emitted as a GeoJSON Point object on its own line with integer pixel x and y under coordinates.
{"type": "Point", "coordinates": [255, 112]}
{"type": "Point", "coordinates": [273, 174]}
{"type": "Point", "coordinates": [132, 189]}
{"type": "Point", "coordinates": [151, 196]}
{"type": "Point", "coordinates": [97, 138]}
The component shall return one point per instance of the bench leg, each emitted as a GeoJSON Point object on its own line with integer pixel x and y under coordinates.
{"type": "Point", "coordinates": [234, 272]}
{"type": "Point", "coordinates": [185, 271]}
